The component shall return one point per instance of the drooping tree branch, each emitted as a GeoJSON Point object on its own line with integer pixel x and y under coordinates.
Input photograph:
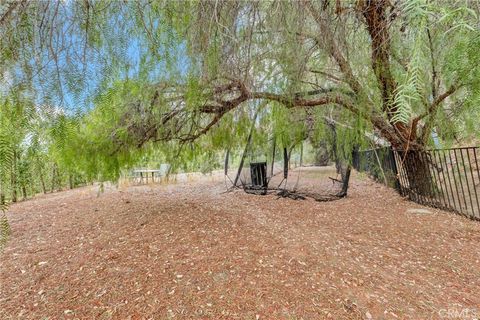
{"type": "Point", "coordinates": [377, 23]}
{"type": "Point", "coordinates": [433, 63]}
{"type": "Point", "coordinates": [451, 90]}
{"type": "Point", "coordinates": [432, 112]}
{"type": "Point", "coordinates": [10, 9]}
{"type": "Point", "coordinates": [327, 75]}
{"type": "Point", "coordinates": [333, 48]}
{"type": "Point", "coordinates": [225, 97]}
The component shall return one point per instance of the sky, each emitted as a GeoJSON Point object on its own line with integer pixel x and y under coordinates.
{"type": "Point", "coordinates": [78, 75]}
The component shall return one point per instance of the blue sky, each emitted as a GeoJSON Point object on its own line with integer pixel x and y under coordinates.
{"type": "Point", "coordinates": [64, 88]}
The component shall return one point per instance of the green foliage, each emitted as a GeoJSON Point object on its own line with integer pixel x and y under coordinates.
{"type": "Point", "coordinates": [148, 80]}
{"type": "Point", "coordinates": [4, 231]}
{"type": "Point", "coordinates": [410, 90]}
{"type": "Point", "coordinates": [33, 156]}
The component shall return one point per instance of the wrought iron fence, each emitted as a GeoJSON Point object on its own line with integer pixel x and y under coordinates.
{"type": "Point", "coordinates": [448, 179]}
{"type": "Point", "coordinates": [379, 164]}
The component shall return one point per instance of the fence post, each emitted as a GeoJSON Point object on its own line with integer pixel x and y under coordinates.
{"type": "Point", "coordinates": [355, 158]}
{"type": "Point", "coordinates": [391, 156]}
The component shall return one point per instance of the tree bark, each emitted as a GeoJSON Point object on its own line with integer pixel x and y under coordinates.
{"type": "Point", "coordinates": [286, 161]}
{"type": "Point", "coordinates": [242, 161]}
{"type": "Point", "coordinates": [24, 192]}
{"type": "Point", "coordinates": [301, 154]}
{"type": "Point", "coordinates": [416, 167]}
{"type": "Point", "coordinates": [2, 195]}
{"type": "Point", "coordinates": [2, 201]}
{"type": "Point", "coordinates": [225, 167]}
{"type": "Point", "coordinates": [13, 177]}
{"type": "Point", "coordinates": [345, 172]}
{"type": "Point", "coordinates": [341, 165]}
{"type": "Point", "coordinates": [249, 141]}
{"type": "Point", "coordinates": [290, 157]}
{"type": "Point", "coordinates": [42, 180]}
{"type": "Point", "coordinates": [321, 154]}
{"type": "Point", "coordinates": [273, 155]}
{"type": "Point", "coordinates": [54, 174]}
{"type": "Point", "coordinates": [336, 157]}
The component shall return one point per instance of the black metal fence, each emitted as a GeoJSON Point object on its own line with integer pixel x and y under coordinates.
{"type": "Point", "coordinates": [379, 164]}
{"type": "Point", "coordinates": [448, 179]}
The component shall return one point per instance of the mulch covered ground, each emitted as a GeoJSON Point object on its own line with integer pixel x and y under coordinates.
{"type": "Point", "coordinates": [189, 251]}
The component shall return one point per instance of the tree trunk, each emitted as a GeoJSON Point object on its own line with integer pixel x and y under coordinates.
{"type": "Point", "coordinates": [301, 154]}
{"type": "Point", "coordinates": [240, 167]}
{"type": "Point", "coordinates": [336, 157]}
{"type": "Point", "coordinates": [249, 141]}
{"type": "Point", "coordinates": [417, 172]}
{"type": "Point", "coordinates": [290, 157]}
{"type": "Point", "coordinates": [2, 201]}
{"type": "Point", "coordinates": [2, 195]}
{"type": "Point", "coordinates": [273, 155]}
{"type": "Point", "coordinates": [24, 192]}
{"type": "Point", "coordinates": [342, 166]}
{"type": "Point", "coordinates": [321, 154]}
{"type": "Point", "coordinates": [42, 181]}
{"type": "Point", "coordinates": [225, 167]}
{"type": "Point", "coordinates": [13, 177]}
{"type": "Point", "coordinates": [54, 173]}
{"type": "Point", "coordinates": [345, 172]}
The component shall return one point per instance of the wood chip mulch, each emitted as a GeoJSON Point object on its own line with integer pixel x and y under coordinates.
{"type": "Point", "coordinates": [190, 251]}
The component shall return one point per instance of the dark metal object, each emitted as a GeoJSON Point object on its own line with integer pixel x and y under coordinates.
{"type": "Point", "coordinates": [379, 163]}
{"type": "Point", "coordinates": [460, 178]}
{"type": "Point", "coordinates": [258, 173]}
{"type": "Point", "coordinates": [448, 179]}
{"type": "Point", "coordinates": [273, 156]}
{"type": "Point", "coordinates": [227, 156]}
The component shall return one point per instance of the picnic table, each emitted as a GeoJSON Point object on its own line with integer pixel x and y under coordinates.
{"type": "Point", "coordinates": [144, 175]}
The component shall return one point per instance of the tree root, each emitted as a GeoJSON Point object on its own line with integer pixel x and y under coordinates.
{"type": "Point", "coordinates": [303, 195]}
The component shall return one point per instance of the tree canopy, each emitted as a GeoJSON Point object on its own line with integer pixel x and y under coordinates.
{"type": "Point", "coordinates": [184, 79]}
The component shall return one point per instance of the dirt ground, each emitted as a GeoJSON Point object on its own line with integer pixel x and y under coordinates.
{"type": "Point", "coordinates": [190, 251]}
